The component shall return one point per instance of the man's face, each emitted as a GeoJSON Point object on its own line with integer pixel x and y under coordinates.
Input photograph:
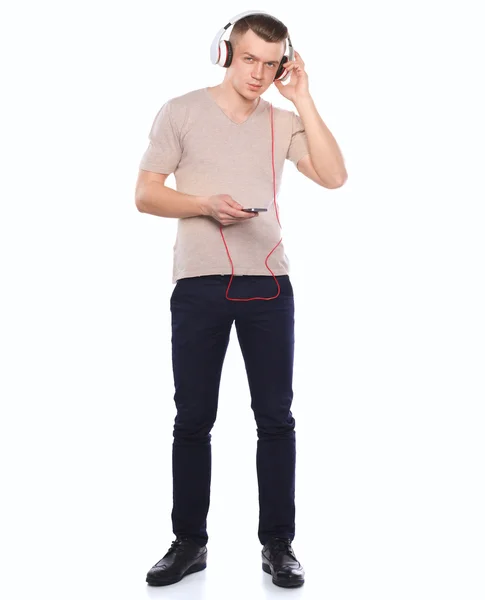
{"type": "Point", "coordinates": [255, 61]}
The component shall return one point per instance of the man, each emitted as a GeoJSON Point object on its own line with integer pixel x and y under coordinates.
{"type": "Point", "coordinates": [218, 143]}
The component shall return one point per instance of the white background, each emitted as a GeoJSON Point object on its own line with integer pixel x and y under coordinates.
{"type": "Point", "coordinates": [388, 275]}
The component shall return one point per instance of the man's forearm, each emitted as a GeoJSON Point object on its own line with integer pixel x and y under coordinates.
{"type": "Point", "coordinates": [157, 199]}
{"type": "Point", "coordinates": [325, 154]}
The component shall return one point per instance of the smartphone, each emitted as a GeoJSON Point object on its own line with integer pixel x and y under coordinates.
{"type": "Point", "coordinates": [254, 209]}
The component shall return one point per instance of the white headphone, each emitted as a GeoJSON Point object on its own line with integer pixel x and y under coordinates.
{"type": "Point", "coordinates": [222, 51]}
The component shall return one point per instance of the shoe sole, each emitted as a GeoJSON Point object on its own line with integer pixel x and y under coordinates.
{"type": "Point", "coordinates": [282, 583]}
{"type": "Point", "coordinates": [192, 569]}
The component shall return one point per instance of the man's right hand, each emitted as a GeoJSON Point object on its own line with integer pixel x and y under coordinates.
{"type": "Point", "coordinates": [224, 209]}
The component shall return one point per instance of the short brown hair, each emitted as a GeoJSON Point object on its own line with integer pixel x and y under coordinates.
{"type": "Point", "coordinates": [265, 26]}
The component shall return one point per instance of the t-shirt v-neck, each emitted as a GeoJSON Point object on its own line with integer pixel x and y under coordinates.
{"type": "Point", "coordinates": [216, 105]}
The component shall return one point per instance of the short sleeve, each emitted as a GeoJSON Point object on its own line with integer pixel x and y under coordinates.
{"type": "Point", "coordinates": [298, 147]}
{"type": "Point", "coordinates": [164, 149]}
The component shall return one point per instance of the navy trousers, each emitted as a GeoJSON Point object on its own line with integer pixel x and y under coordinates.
{"type": "Point", "coordinates": [202, 318]}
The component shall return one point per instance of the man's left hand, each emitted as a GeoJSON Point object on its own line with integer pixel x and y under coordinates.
{"type": "Point", "coordinates": [297, 87]}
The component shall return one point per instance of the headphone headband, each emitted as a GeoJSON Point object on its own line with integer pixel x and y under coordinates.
{"type": "Point", "coordinates": [214, 51]}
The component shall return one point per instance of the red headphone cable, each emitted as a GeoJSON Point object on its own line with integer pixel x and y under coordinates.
{"type": "Point", "coordinates": [276, 209]}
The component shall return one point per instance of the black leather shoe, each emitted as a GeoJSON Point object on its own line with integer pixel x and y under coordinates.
{"type": "Point", "coordinates": [183, 557]}
{"type": "Point", "coordinates": [280, 561]}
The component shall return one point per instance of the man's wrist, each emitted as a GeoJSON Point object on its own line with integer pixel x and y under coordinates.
{"type": "Point", "coordinates": [202, 203]}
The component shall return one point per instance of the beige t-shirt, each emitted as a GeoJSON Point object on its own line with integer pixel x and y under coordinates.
{"type": "Point", "coordinates": [208, 153]}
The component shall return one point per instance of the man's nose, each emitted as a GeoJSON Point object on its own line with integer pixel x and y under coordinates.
{"type": "Point", "coordinates": [258, 71]}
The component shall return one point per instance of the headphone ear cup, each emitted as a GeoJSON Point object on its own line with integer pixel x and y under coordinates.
{"type": "Point", "coordinates": [281, 72]}
{"type": "Point", "coordinates": [225, 53]}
